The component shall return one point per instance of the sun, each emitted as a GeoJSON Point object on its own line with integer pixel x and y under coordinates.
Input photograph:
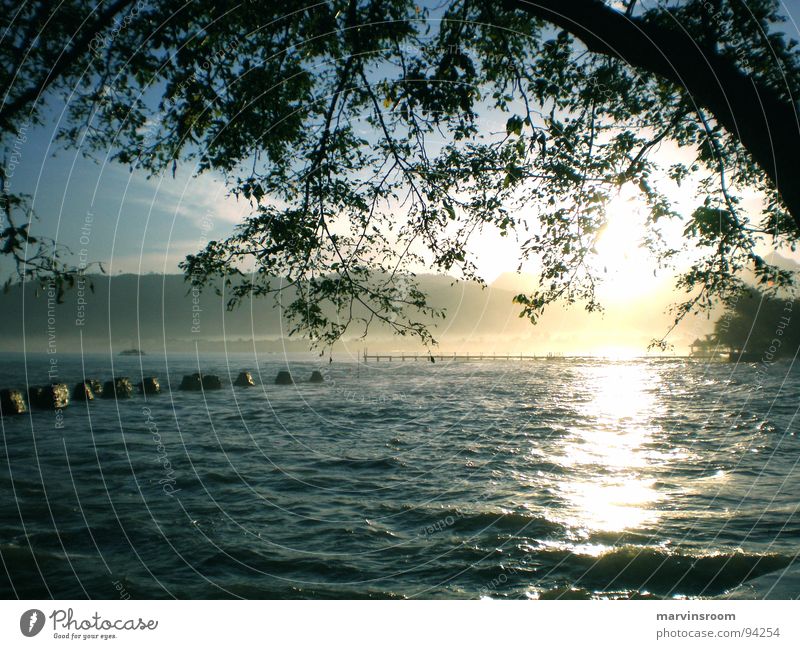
{"type": "Point", "coordinates": [624, 266]}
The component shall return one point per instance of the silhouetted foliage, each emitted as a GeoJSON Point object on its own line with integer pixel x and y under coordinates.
{"type": "Point", "coordinates": [757, 323]}
{"type": "Point", "coordinates": [372, 137]}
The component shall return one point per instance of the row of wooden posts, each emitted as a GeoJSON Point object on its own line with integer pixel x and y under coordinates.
{"type": "Point", "coordinates": [57, 395]}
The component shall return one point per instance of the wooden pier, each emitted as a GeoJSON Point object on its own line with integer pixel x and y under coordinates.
{"type": "Point", "coordinates": [433, 357]}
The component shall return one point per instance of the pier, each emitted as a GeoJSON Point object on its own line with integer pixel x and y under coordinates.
{"type": "Point", "coordinates": [402, 357]}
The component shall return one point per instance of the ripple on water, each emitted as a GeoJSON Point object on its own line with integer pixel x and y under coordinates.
{"type": "Point", "coordinates": [576, 479]}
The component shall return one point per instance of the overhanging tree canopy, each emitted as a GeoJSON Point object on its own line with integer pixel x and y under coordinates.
{"type": "Point", "coordinates": [375, 136]}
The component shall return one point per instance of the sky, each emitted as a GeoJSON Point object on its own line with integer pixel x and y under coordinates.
{"type": "Point", "coordinates": [136, 224]}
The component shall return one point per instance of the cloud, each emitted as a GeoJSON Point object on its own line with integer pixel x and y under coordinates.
{"type": "Point", "coordinates": [188, 197]}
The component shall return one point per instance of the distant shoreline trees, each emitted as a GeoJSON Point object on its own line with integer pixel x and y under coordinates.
{"type": "Point", "coordinates": [755, 325]}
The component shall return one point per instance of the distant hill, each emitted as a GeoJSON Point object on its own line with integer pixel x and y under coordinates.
{"type": "Point", "coordinates": [515, 282]}
{"type": "Point", "coordinates": [150, 311]}
{"type": "Point", "coordinates": [156, 311]}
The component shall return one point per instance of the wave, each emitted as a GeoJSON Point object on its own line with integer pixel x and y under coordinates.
{"type": "Point", "coordinates": [498, 521]}
{"type": "Point", "coordinates": [780, 584]}
{"type": "Point", "coordinates": [662, 572]}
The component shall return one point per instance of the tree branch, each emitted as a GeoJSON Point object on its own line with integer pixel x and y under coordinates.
{"type": "Point", "coordinates": [764, 122]}
{"type": "Point", "coordinates": [80, 46]}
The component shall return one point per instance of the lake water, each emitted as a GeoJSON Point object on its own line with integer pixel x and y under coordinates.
{"type": "Point", "coordinates": [535, 479]}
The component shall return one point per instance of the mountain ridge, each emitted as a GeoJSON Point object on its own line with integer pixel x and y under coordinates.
{"type": "Point", "coordinates": [160, 311]}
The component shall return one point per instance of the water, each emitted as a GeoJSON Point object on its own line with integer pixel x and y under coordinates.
{"type": "Point", "coordinates": [541, 479]}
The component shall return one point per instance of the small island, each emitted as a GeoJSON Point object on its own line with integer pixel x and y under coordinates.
{"type": "Point", "coordinates": [132, 352]}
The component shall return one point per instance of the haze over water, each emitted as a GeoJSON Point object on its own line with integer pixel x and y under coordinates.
{"type": "Point", "coordinates": [562, 478]}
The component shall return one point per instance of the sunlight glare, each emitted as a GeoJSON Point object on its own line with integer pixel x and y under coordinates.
{"type": "Point", "coordinates": [625, 266]}
{"type": "Point", "coordinates": [607, 486]}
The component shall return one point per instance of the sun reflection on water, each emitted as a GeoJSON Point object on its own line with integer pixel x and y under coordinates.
{"type": "Point", "coordinates": [608, 483]}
